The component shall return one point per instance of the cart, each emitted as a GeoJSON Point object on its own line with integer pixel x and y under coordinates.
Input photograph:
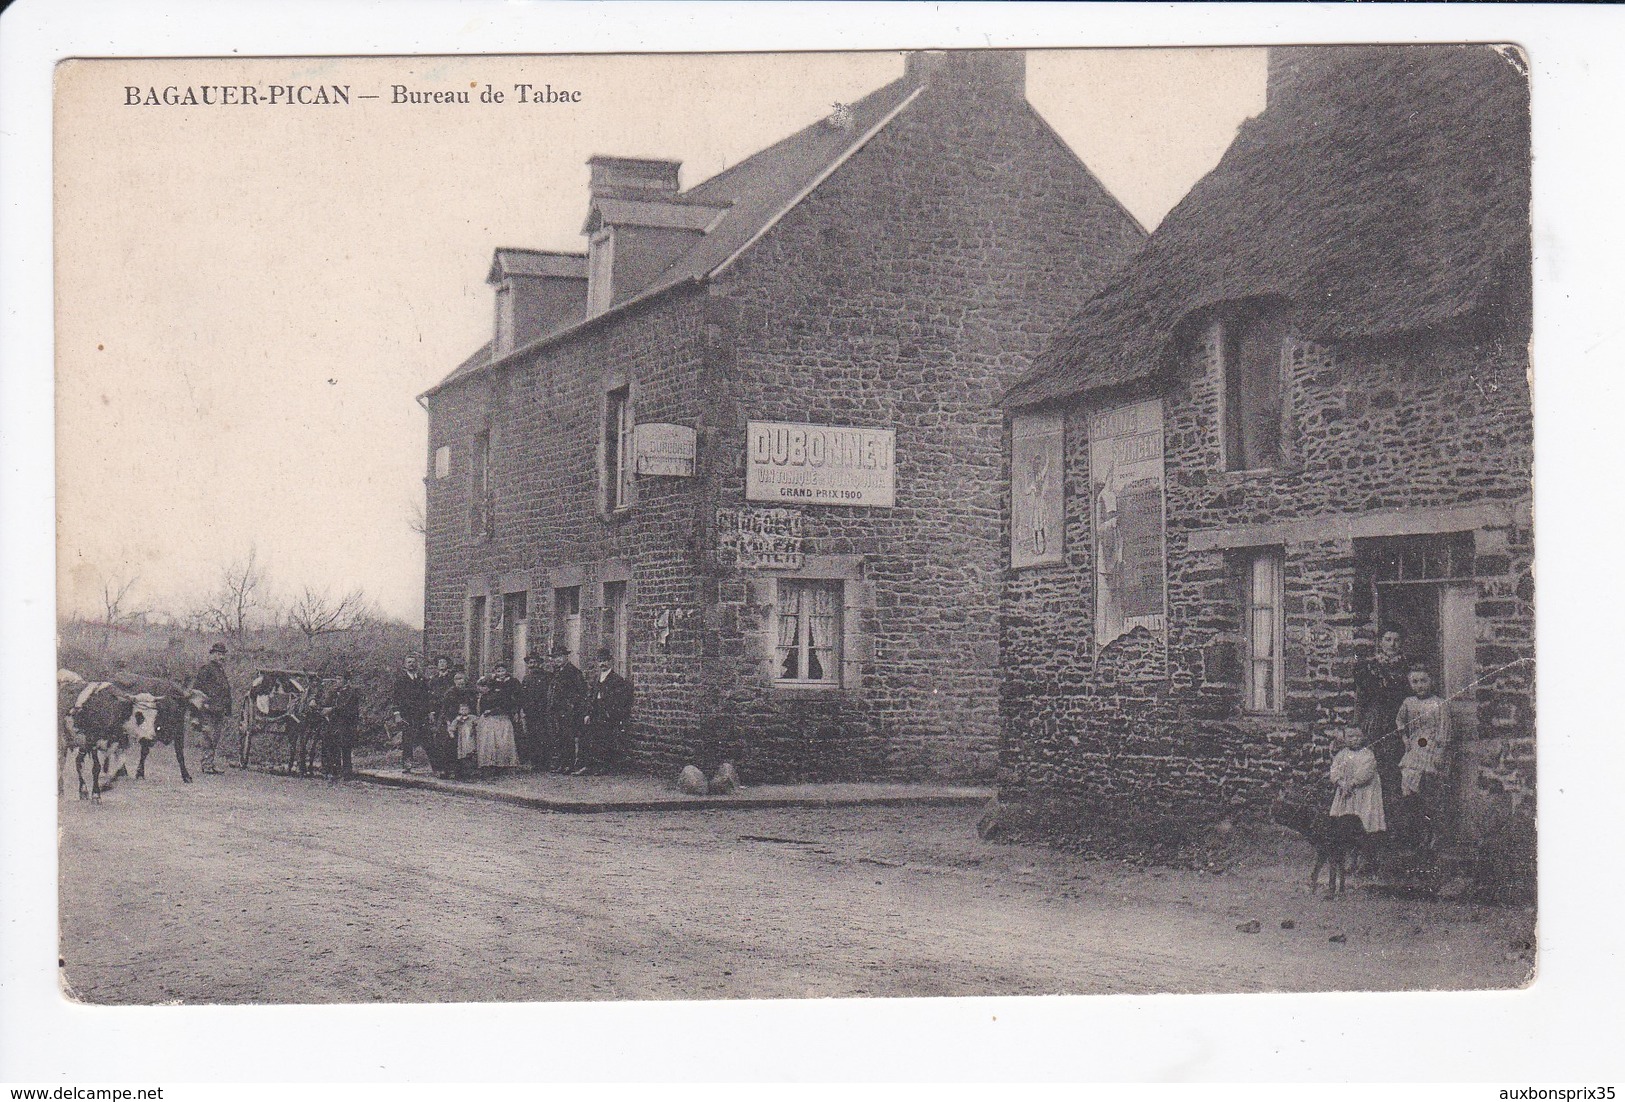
{"type": "Point", "coordinates": [278, 706]}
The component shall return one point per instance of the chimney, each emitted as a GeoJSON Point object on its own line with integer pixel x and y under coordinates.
{"type": "Point", "coordinates": [973, 70]}
{"type": "Point", "coordinates": [633, 177]}
{"type": "Point", "coordinates": [637, 226]}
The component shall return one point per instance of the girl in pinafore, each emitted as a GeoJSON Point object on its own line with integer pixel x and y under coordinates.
{"type": "Point", "coordinates": [1355, 776]}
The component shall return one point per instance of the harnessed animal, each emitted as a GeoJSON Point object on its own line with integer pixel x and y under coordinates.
{"type": "Point", "coordinates": [172, 706]}
{"type": "Point", "coordinates": [98, 720]}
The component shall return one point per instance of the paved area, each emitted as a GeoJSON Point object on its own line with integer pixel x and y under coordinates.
{"type": "Point", "coordinates": [599, 794]}
{"type": "Point", "coordinates": [255, 888]}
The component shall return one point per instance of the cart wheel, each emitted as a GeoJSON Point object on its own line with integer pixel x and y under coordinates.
{"type": "Point", "coordinates": [247, 729]}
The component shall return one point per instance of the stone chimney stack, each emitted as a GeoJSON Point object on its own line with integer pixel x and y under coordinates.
{"type": "Point", "coordinates": [974, 70]}
{"type": "Point", "coordinates": [637, 224]}
{"type": "Point", "coordinates": [633, 177]}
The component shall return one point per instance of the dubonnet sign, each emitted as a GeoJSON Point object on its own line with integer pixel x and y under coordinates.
{"type": "Point", "coordinates": [664, 450]}
{"type": "Point", "coordinates": [820, 464]}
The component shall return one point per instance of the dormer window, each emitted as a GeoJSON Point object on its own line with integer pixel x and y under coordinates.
{"type": "Point", "coordinates": [600, 269]}
{"type": "Point", "coordinates": [1251, 340]}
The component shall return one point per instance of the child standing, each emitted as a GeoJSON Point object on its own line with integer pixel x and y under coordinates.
{"type": "Point", "coordinates": [1359, 787]}
{"type": "Point", "coordinates": [1424, 721]}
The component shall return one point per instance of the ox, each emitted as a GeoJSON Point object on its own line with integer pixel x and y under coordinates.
{"type": "Point", "coordinates": [165, 721]}
{"type": "Point", "coordinates": [98, 719]}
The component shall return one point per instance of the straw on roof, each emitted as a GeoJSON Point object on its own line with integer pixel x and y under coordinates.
{"type": "Point", "coordinates": [1385, 189]}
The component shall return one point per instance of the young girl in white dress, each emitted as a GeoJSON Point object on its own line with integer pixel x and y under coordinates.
{"type": "Point", "coordinates": [1359, 788]}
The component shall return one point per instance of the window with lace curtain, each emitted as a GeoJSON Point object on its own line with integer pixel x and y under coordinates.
{"type": "Point", "coordinates": [809, 648]}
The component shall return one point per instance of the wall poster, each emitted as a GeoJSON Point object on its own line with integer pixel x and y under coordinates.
{"type": "Point", "coordinates": [755, 539]}
{"type": "Point", "coordinates": [1126, 490]}
{"type": "Point", "coordinates": [1037, 506]}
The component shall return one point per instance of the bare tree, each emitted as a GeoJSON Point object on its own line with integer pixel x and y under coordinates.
{"type": "Point", "coordinates": [417, 518]}
{"type": "Point", "coordinates": [316, 612]}
{"type": "Point", "coordinates": [238, 597]}
{"type": "Point", "coordinates": [115, 606]}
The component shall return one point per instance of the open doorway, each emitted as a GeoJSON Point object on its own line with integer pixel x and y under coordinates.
{"type": "Point", "coordinates": [1423, 586]}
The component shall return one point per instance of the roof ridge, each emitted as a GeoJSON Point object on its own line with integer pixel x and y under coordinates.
{"type": "Point", "coordinates": [818, 179]}
{"type": "Point", "coordinates": [789, 139]}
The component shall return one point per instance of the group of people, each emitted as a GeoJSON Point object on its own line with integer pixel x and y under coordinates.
{"type": "Point", "coordinates": [1393, 767]}
{"type": "Point", "coordinates": [333, 719]}
{"type": "Point", "coordinates": [553, 720]}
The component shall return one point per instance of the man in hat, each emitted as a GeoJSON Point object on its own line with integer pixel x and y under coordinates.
{"type": "Point", "coordinates": [343, 715]}
{"type": "Point", "coordinates": [215, 712]}
{"type": "Point", "coordinates": [411, 701]}
{"type": "Point", "coordinates": [533, 706]}
{"type": "Point", "coordinates": [609, 712]}
{"type": "Point", "coordinates": [566, 697]}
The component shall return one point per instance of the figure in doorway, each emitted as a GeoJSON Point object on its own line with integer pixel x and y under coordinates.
{"type": "Point", "coordinates": [1381, 684]}
{"type": "Point", "coordinates": [1424, 771]}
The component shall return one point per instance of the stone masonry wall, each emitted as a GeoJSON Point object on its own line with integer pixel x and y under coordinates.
{"type": "Point", "coordinates": [1431, 422]}
{"type": "Point", "coordinates": [905, 292]}
{"type": "Point", "coordinates": [546, 418]}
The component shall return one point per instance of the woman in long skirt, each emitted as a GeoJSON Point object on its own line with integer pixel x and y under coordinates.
{"type": "Point", "coordinates": [495, 747]}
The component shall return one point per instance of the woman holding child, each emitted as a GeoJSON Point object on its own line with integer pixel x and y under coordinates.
{"type": "Point", "coordinates": [1381, 684]}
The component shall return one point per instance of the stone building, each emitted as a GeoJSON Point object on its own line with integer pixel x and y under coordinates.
{"type": "Point", "coordinates": [1301, 413]}
{"type": "Point", "coordinates": [750, 438]}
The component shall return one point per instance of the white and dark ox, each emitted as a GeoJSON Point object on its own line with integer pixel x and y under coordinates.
{"type": "Point", "coordinates": [98, 720]}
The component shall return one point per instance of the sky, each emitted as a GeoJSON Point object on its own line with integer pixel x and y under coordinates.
{"type": "Point", "coordinates": [249, 299]}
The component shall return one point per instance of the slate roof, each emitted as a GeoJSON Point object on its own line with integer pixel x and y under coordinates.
{"type": "Point", "coordinates": [537, 262]}
{"type": "Point", "coordinates": [1383, 190]}
{"type": "Point", "coordinates": [742, 202]}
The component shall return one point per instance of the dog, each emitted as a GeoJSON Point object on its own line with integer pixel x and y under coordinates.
{"type": "Point", "coordinates": [1336, 839]}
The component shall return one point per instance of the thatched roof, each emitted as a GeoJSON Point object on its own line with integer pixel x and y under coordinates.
{"type": "Point", "coordinates": [1384, 189]}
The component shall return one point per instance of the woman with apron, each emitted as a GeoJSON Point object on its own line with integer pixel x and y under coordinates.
{"type": "Point", "coordinates": [499, 702]}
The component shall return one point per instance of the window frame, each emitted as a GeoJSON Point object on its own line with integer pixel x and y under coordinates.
{"type": "Point", "coordinates": [515, 627]}
{"type": "Point", "coordinates": [803, 645]}
{"type": "Point", "coordinates": [1271, 559]}
{"type": "Point", "coordinates": [441, 463]}
{"type": "Point", "coordinates": [481, 499]}
{"type": "Point", "coordinates": [563, 631]}
{"type": "Point", "coordinates": [1229, 332]}
{"type": "Point", "coordinates": [619, 430]}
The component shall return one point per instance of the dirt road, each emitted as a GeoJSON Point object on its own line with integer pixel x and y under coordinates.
{"type": "Point", "coordinates": [252, 888]}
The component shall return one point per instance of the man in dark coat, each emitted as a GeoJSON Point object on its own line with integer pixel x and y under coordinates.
{"type": "Point", "coordinates": [609, 712]}
{"type": "Point", "coordinates": [410, 697]}
{"type": "Point", "coordinates": [459, 699]}
{"type": "Point", "coordinates": [343, 714]}
{"type": "Point", "coordinates": [566, 700]}
{"type": "Point", "coordinates": [215, 713]}
{"type": "Point", "coordinates": [533, 706]}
